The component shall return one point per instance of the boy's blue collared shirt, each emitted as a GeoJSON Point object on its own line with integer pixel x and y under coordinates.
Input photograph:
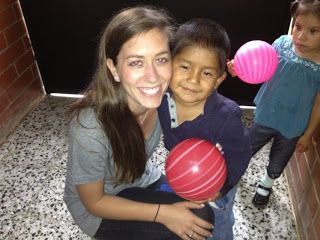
{"type": "Point", "coordinates": [220, 123]}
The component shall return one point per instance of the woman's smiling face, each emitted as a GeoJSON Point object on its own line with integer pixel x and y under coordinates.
{"type": "Point", "coordinates": [144, 69]}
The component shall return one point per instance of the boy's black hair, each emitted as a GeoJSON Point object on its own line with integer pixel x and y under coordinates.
{"type": "Point", "coordinates": [205, 33]}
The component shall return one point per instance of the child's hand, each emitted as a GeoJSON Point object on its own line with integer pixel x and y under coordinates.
{"type": "Point", "coordinates": [303, 144]}
{"type": "Point", "coordinates": [214, 197]}
{"type": "Point", "coordinates": [211, 199]}
{"type": "Point", "coordinates": [219, 148]}
{"type": "Point", "coordinates": [230, 67]}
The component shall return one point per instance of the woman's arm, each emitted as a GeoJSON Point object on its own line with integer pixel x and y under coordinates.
{"type": "Point", "coordinates": [112, 207]}
{"type": "Point", "coordinates": [176, 217]}
{"type": "Point", "coordinates": [305, 140]}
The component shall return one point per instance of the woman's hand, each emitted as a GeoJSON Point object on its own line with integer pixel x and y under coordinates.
{"type": "Point", "coordinates": [230, 68]}
{"type": "Point", "coordinates": [178, 218]}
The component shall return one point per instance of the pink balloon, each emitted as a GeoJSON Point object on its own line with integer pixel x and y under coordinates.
{"type": "Point", "coordinates": [255, 62]}
{"type": "Point", "coordinates": [196, 169]}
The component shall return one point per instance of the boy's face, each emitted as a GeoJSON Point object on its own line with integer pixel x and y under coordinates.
{"type": "Point", "coordinates": [196, 73]}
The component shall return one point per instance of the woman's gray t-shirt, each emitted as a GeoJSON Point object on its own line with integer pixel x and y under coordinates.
{"type": "Point", "coordinates": [90, 160]}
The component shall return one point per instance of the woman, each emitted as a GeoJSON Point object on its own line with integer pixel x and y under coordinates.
{"type": "Point", "coordinates": [111, 187]}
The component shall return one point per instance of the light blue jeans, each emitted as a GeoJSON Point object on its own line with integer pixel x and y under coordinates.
{"type": "Point", "coordinates": [224, 216]}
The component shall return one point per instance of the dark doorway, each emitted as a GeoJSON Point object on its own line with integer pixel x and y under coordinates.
{"type": "Point", "coordinates": [64, 34]}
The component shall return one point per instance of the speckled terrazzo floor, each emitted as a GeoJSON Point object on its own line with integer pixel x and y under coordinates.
{"type": "Point", "coordinates": [32, 169]}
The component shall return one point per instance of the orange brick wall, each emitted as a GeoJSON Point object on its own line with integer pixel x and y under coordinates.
{"type": "Point", "coordinates": [303, 174]}
{"type": "Point", "coordinates": [21, 87]}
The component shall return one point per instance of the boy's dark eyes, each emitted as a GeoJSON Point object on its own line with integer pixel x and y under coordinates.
{"type": "Point", "coordinates": [184, 67]}
{"type": "Point", "coordinates": [208, 74]}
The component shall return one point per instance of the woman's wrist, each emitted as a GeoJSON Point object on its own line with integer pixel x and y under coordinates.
{"type": "Point", "coordinates": [157, 212]}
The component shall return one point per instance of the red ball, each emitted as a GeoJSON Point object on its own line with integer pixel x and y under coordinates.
{"type": "Point", "coordinates": [196, 169]}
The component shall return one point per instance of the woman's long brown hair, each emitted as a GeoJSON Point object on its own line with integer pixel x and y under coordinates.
{"type": "Point", "coordinates": [108, 97]}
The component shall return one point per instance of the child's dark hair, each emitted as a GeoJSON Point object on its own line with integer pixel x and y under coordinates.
{"type": "Point", "coordinates": [299, 7]}
{"type": "Point", "coordinates": [205, 33]}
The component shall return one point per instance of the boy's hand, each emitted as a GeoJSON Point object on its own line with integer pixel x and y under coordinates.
{"type": "Point", "coordinates": [214, 197]}
{"type": "Point", "coordinates": [219, 148]}
{"type": "Point", "coordinates": [230, 68]}
{"type": "Point", "coordinates": [211, 199]}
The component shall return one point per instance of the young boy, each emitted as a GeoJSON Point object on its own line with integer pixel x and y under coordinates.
{"type": "Point", "coordinates": [192, 107]}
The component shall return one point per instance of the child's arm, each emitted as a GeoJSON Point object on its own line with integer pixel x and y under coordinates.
{"type": "Point", "coordinates": [177, 217]}
{"type": "Point", "coordinates": [235, 141]}
{"type": "Point", "coordinates": [304, 141]}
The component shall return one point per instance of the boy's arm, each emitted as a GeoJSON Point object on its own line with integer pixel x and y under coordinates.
{"type": "Point", "coordinates": [304, 141]}
{"type": "Point", "coordinates": [235, 141]}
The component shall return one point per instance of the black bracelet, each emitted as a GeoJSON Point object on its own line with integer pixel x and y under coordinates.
{"type": "Point", "coordinates": [155, 217]}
